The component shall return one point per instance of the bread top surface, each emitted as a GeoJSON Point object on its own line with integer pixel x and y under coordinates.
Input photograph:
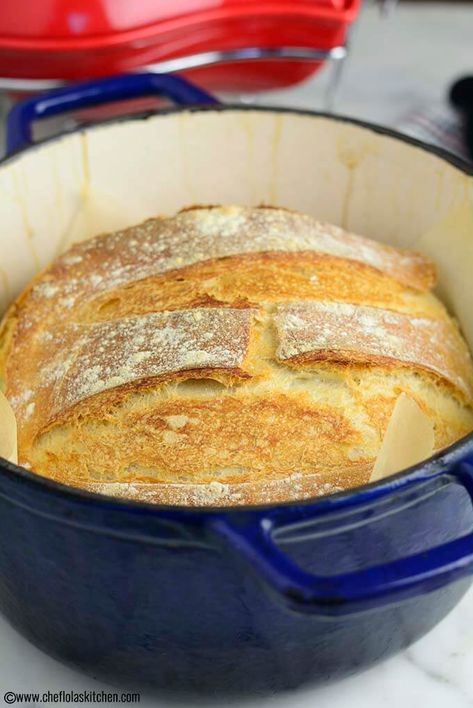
{"type": "Point", "coordinates": [227, 355]}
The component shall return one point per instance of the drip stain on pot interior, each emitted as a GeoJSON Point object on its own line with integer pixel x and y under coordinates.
{"type": "Point", "coordinates": [183, 122]}
{"type": "Point", "coordinates": [29, 231]}
{"type": "Point", "coordinates": [247, 126]}
{"type": "Point", "coordinates": [276, 142]}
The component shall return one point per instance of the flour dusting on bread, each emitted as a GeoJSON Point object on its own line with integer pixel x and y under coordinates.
{"type": "Point", "coordinates": [228, 356]}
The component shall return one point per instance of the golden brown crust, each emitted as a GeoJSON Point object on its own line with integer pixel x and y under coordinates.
{"type": "Point", "coordinates": [264, 278]}
{"type": "Point", "coordinates": [161, 246]}
{"type": "Point", "coordinates": [293, 487]}
{"type": "Point", "coordinates": [224, 356]}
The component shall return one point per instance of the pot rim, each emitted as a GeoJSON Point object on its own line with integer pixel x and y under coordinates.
{"type": "Point", "coordinates": [442, 460]}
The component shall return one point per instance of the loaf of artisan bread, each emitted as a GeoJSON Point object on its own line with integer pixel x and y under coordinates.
{"type": "Point", "coordinates": [227, 356]}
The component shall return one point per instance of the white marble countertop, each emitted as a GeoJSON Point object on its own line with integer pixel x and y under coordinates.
{"type": "Point", "coordinates": [395, 66]}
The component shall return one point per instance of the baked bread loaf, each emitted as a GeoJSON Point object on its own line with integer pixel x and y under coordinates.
{"type": "Point", "coordinates": [227, 356]}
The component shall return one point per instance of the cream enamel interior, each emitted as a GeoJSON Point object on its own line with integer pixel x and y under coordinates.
{"type": "Point", "coordinates": [116, 175]}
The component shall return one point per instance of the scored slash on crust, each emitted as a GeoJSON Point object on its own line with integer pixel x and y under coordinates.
{"type": "Point", "coordinates": [344, 333]}
{"type": "Point", "coordinates": [162, 245]}
{"type": "Point", "coordinates": [112, 355]}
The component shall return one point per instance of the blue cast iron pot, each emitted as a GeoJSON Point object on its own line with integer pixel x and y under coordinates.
{"type": "Point", "coordinates": [216, 600]}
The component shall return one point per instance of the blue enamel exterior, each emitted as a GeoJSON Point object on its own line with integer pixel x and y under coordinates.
{"type": "Point", "coordinates": [148, 596]}
{"type": "Point", "coordinates": [249, 600]}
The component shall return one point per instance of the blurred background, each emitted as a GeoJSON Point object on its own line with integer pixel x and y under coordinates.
{"type": "Point", "coordinates": [400, 69]}
{"type": "Point", "coordinates": [388, 62]}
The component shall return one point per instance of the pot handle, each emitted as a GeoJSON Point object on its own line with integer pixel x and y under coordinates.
{"type": "Point", "coordinates": [95, 93]}
{"type": "Point", "coordinates": [352, 592]}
